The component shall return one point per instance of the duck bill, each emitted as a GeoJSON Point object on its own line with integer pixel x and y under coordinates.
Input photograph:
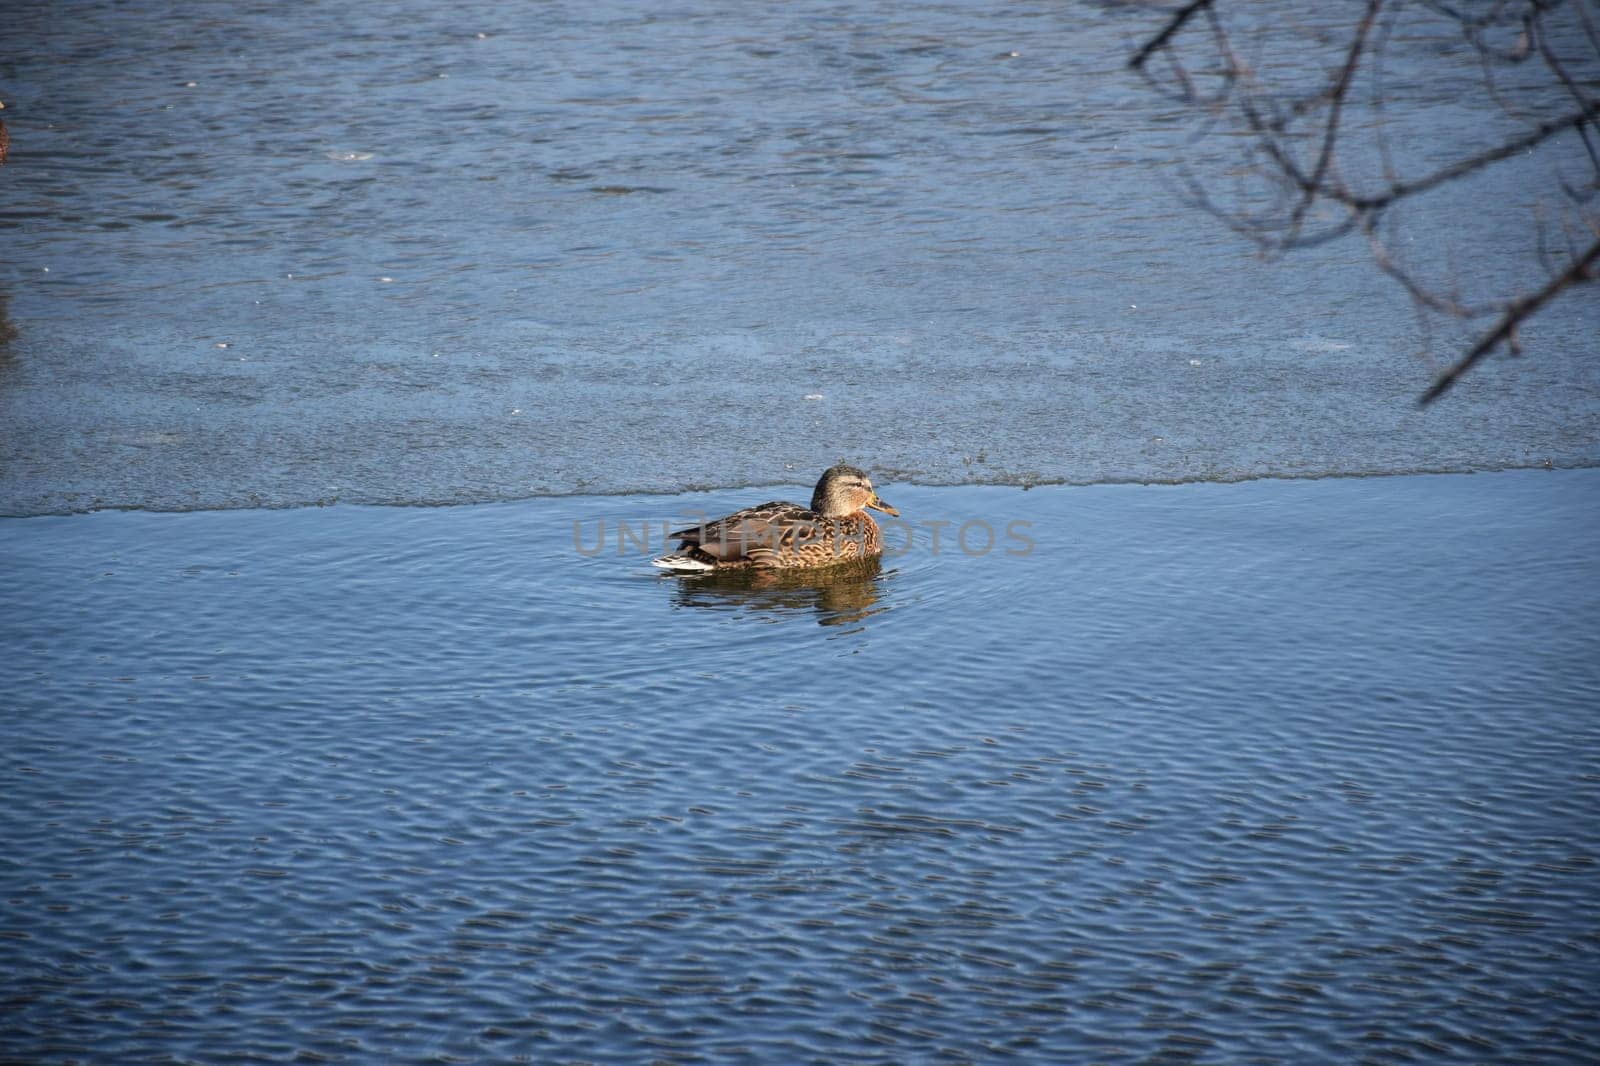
{"type": "Point", "coordinates": [877, 504]}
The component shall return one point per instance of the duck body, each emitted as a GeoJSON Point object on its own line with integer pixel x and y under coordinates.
{"type": "Point", "coordinates": [781, 535]}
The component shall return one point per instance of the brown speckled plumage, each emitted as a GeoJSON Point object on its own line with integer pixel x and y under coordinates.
{"type": "Point", "coordinates": [779, 535]}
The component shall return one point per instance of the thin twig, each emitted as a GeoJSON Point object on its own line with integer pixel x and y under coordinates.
{"type": "Point", "coordinates": [1330, 132]}
{"type": "Point", "coordinates": [1504, 150]}
{"type": "Point", "coordinates": [1516, 313]}
{"type": "Point", "coordinates": [1173, 25]}
{"type": "Point", "coordinates": [1420, 294]}
{"type": "Point", "coordinates": [1380, 54]}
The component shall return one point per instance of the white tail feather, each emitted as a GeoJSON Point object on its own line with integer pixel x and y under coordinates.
{"type": "Point", "coordinates": [682, 563]}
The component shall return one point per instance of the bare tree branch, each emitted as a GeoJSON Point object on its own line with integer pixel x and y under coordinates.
{"type": "Point", "coordinates": [1297, 140]}
{"type": "Point", "coordinates": [1461, 168]}
{"type": "Point", "coordinates": [1336, 93]}
{"type": "Point", "coordinates": [1515, 315]}
{"type": "Point", "coordinates": [1174, 24]}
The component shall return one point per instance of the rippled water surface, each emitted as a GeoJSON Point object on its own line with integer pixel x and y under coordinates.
{"type": "Point", "coordinates": [1264, 772]}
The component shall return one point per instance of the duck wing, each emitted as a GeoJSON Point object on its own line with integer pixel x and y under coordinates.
{"type": "Point", "coordinates": [755, 532]}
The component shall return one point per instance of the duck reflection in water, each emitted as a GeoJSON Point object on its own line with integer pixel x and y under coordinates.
{"type": "Point", "coordinates": [841, 594]}
{"type": "Point", "coordinates": [8, 332]}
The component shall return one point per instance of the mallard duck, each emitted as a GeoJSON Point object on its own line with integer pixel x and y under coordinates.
{"type": "Point", "coordinates": [780, 535]}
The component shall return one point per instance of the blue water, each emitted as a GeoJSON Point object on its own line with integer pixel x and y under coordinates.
{"type": "Point", "coordinates": [1279, 771]}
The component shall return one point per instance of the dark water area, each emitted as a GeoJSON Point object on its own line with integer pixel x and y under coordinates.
{"type": "Point", "coordinates": [1278, 771]}
{"type": "Point", "coordinates": [440, 253]}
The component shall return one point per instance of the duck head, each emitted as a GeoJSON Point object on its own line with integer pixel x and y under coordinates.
{"type": "Point", "coordinates": [844, 490]}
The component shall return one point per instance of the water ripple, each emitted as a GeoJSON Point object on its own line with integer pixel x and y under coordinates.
{"type": "Point", "coordinates": [405, 783]}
